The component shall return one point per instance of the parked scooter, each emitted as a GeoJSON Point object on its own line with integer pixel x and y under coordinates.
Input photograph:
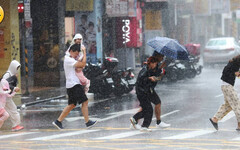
{"type": "Point", "coordinates": [181, 69]}
{"type": "Point", "coordinates": [129, 77]}
{"type": "Point", "coordinates": [100, 81]}
{"type": "Point", "coordinates": [105, 79]}
{"type": "Point", "coordinates": [123, 80]}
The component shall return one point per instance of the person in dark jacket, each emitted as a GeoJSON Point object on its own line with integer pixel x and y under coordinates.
{"type": "Point", "coordinates": [230, 71]}
{"type": "Point", "coordinates": [143, 90]}
{"type": "Point", "coordinates": [158, 74]}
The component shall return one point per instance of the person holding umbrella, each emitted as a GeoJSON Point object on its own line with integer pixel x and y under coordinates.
{"type": "Point", "coordinates": [158, 74]}
{"type": "Point", "coordinates": [230, 71]}
{"type": "Point", "coordinates": [144, 91]}
{"type": "Point", "coordinates": [170, 48]}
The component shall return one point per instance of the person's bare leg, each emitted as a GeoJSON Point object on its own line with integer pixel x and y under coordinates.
{"type": "Point", "coordinates": [65, 112]}
{"type": "Point", "coordinates": [85, 111]}
{"type": "Point", "coordinates": [214, 119]}
{"type": "Point", "coordinates": [158, 111]}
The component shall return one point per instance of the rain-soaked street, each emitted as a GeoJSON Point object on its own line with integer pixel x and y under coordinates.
{"type": "Point", "coordinates": [187, 105]}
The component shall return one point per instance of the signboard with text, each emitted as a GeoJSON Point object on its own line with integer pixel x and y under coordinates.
{"type": "Point", "coordinates": [128, 32]}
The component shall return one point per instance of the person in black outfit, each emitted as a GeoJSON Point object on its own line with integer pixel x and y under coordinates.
{"type": "Point", "coordinates": [155, 99]}
{"type": "Point", "coordinates": [230, 71]}
{"type": "Point", "coordinates": [143, 91]}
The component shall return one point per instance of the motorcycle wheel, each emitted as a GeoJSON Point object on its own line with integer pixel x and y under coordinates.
{"type": "Point", "coordinates": [104, 90]}
{"type": "Point", "coordinates": [199, 70]}
{"type": "Point", "coordinates": [191, 73]}
{"type": "Point", "coordinates": [119, 91]}
{"type": "Point", "coordinates": [171, 75]}
{"type": "Point", "coordinates": [180, 74]}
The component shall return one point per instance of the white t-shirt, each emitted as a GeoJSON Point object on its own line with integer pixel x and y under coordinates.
{"type": "Point", "coordinates": [70, 74]}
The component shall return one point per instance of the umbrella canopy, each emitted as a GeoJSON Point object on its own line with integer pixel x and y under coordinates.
{"type": "Point", "coordinates": [169, 47]}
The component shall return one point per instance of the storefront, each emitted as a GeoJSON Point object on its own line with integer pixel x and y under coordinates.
{"type": "Point", "coordinates": [9, 35]}
{"type": "Point", "coordinates": [123, 31]}
{"type": "Point", "coordinates": [55, 28]}
{"type": "Point", "coordinates": [85, 18]}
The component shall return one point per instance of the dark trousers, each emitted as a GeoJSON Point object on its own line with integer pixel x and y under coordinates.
{"type": "Point", "coordinates": [147, 110]}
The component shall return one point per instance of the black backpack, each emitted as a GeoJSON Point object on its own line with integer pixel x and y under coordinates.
{"type": "Point", "coordinates": [12, 81]}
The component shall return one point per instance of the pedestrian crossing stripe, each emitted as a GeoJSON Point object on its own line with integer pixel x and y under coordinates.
{"type": "Point", "coordinates": [236, 139]}
{"type": "Point", "coordinates": [62, 135]}
{"type": "Point", "coordinates": [189, 134]}
{"type": "Point", "coordinates": [67, 133]}
{"type": "Point", "coordinates": [18, 134]}
{"type": "Point", "coordinates": [120, 135]}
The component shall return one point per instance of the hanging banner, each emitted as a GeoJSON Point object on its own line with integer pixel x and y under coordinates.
{"type": "Point", "coordinates": [127, 32]}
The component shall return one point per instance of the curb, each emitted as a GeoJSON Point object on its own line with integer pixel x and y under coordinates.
{"type": "Point", "coordinates": [39, 101]}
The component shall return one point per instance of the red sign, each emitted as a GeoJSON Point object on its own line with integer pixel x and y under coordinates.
{"type": "Point", "coordinates": [126, 32]}
{"type": "Point", "coordinates": [20, 7]}
{"type": "Point", "coordinates": [129, 30]}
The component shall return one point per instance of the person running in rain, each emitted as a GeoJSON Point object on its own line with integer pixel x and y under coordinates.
{"type": "Point", "coordinates": [230, 71]}
{"type": "Point", "coordinates": [143, 91]}
{"type": "Point", "coordinates": [10, 106]}
{"type": "Point", "coordinates": [4, 94]}
{"type": "Point", "coordinates": [75, 90]}
{"type": "Point", "coordinates": [158, 74]}
{"type": "Point", "coordinates": [83, 80]}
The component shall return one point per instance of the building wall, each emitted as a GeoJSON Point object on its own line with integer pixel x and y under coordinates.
{"type": "Point", "coordinates": [10, 29]}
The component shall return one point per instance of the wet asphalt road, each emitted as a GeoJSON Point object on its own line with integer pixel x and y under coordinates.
{"type": "Point", "coordinates": [187, 105]}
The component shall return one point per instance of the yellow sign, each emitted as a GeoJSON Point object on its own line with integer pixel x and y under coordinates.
{"type": "Point", "coordinates": [153, 20]}
{"type": "Point", "coordinates": [1, 14]}
{"type": "Point", "coordinates": [79, 5]}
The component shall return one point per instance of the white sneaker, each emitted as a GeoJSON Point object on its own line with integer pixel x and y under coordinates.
{"type": "Point", "coordinates": [133, 122]}
{"type": "Point", "coordinates": [138, 127]}
{"type": "Point", "coordinates": [145, 129]}
{"type": "Point", "coordinates": [131, 127]}
{"type": "Point", "coordinates": [163, 125]}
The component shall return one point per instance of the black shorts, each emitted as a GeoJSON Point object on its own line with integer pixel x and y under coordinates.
{"type": "Point", "coordinates": [154, 98]}
{"type": "Point", "coordinates": [76, 95]}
